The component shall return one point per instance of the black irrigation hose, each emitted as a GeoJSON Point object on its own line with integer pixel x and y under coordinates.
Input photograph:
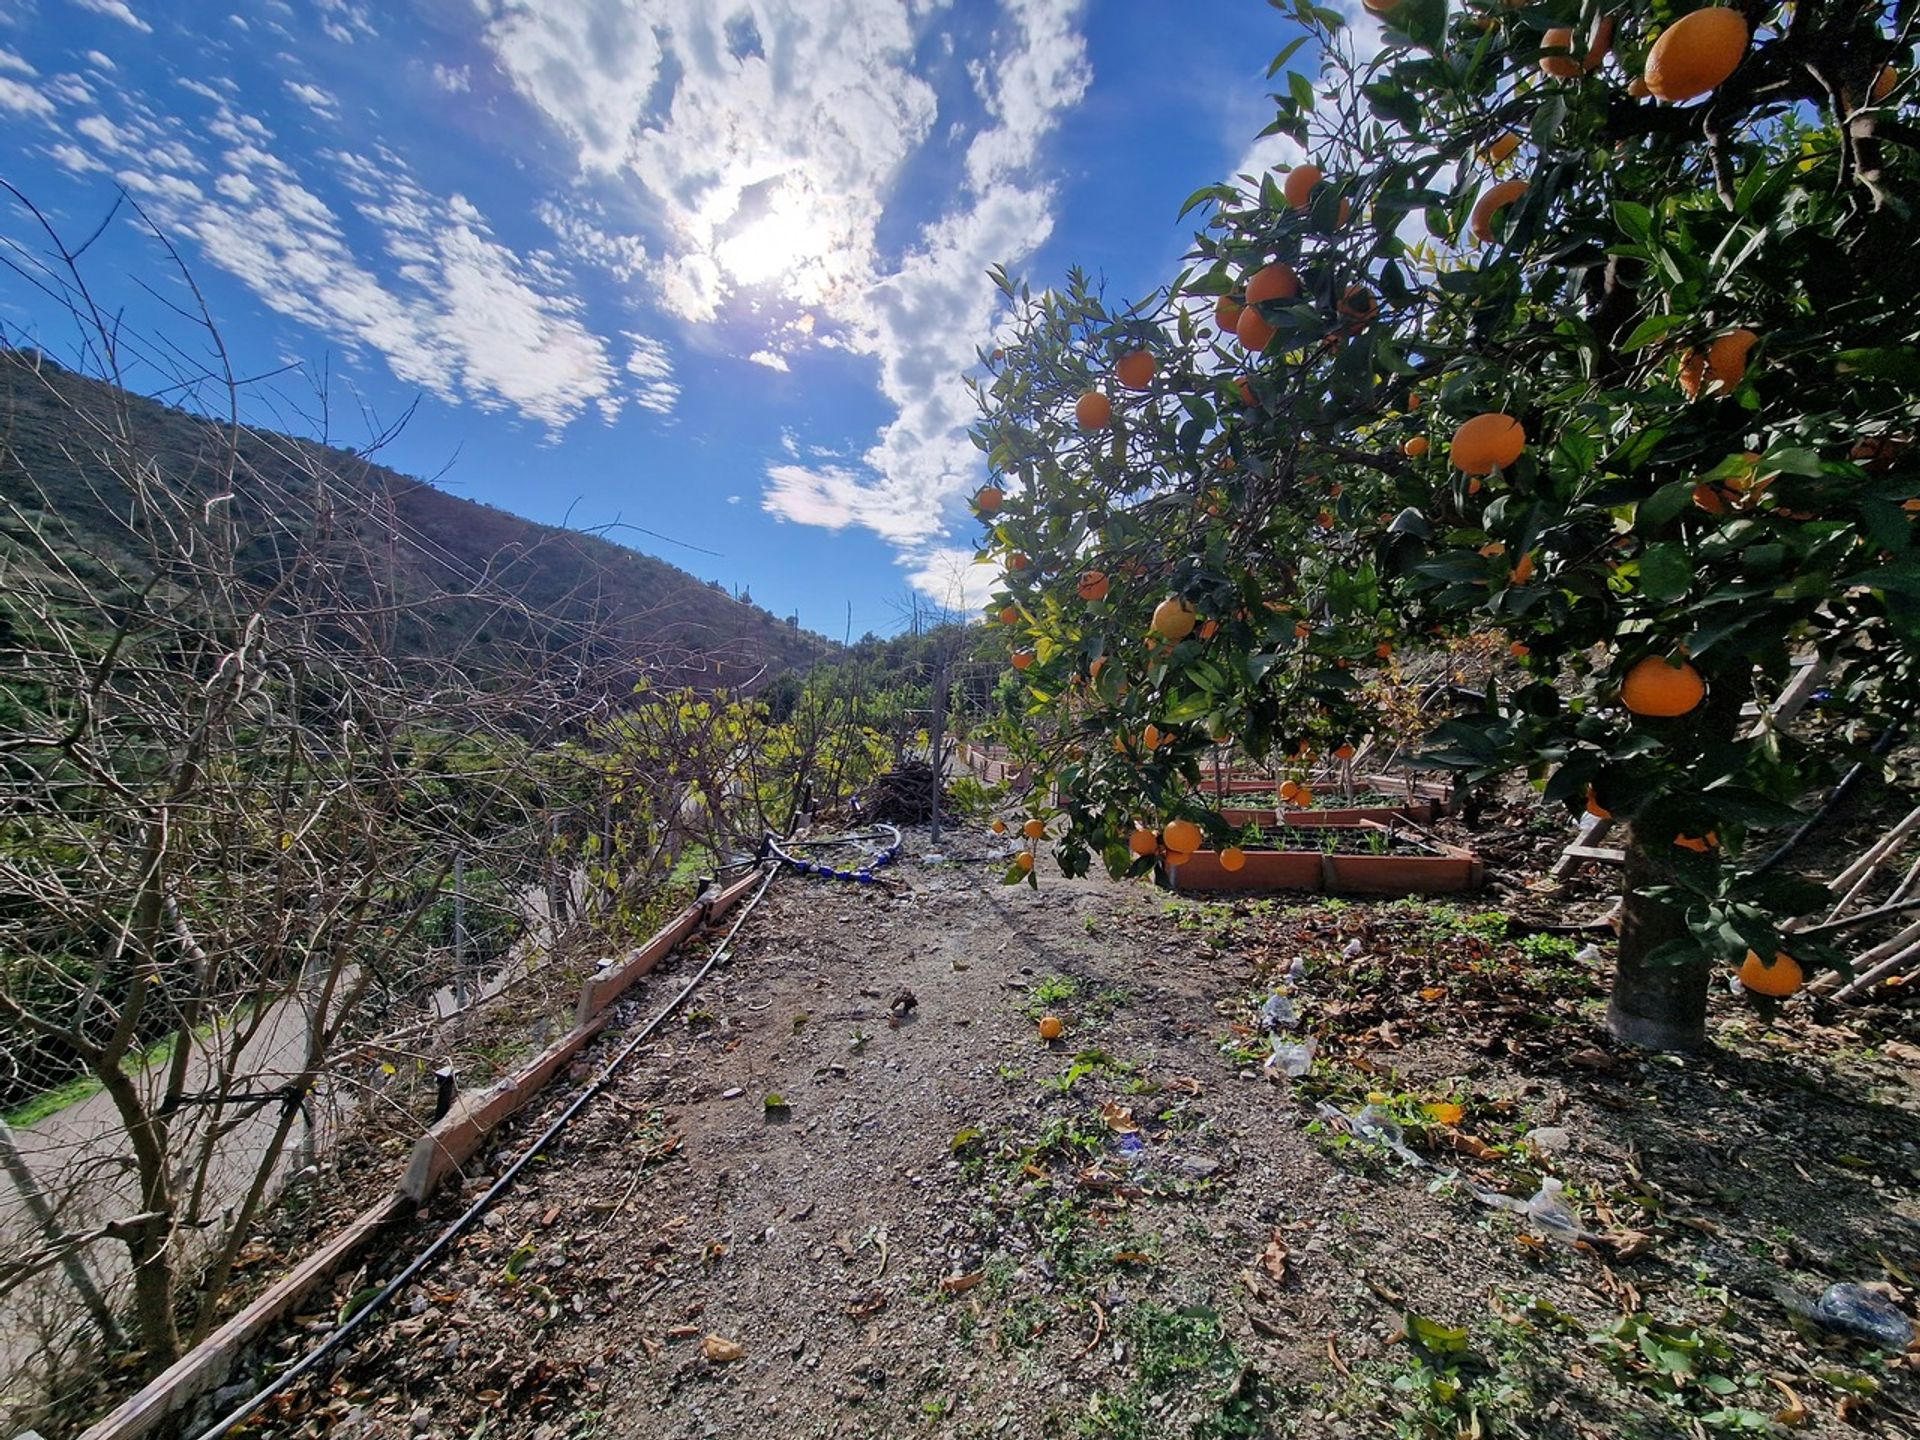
{"type": "Point", "coordinates": [864, 874]}
{"type": "Point", "coordinates": [770, 846]}
{"type": "Point", "coordinates": [473, 1212]}
{"type": "Point", "coordinates": [1852, 778]}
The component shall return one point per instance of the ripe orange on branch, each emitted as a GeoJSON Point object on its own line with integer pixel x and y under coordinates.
{"type": "Point", "coordinates": [1486, 442]}
{"type": "Point", "coordinates": [988, 499]}
{"type": "Point", "coordinates": [1135, 370]}
{"type": "Point", "coordinates": [1359, 303]}
{"type": "Point", "coordinates": [1093, 585]}
{"type": "Point", "coordinates": [1299, 185]}
{"type": "Point", "coordinates": [1183, 836]}
{"type": "Point", "coordinates": [1695, 54]}
{"type": "Point", "coordinates": [1143, 842]}
{"type": "Point", "coordinates": [1274, 282]}
{"type": "Point", "coordinates": [1093, 410]}
{"type": "Point", "coordinates": [1226, 314]}
{"type": "Point", "coordinates": [1561, 66]}
{"type": "Point", "coordinates": [1173, 618]}
{"type": "Point", "coordinates": [1253, 331]}
{"type": "Point", "coordinates": [1723, 362]}
{"type": "Point", "coordinates": [1661, 689]}
{"type": "Point", "coordinates": [1500, 148]}
{"type": "Point", "coordinates": [1495, 199]}
{"type": "Point", "coordinates": [1034, 829]}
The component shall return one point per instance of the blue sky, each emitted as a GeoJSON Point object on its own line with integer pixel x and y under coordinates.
{"type": "Point", "coordinates": [713, 268]}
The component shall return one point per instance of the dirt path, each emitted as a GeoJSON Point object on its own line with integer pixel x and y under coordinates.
{"type": "Point", "coordinates": [950, 1227]}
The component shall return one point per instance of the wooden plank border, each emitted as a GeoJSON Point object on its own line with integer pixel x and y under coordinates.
{"type": "Point", "coordinates": [208, 1364]}
{"type": "Point", "coordinates": [450, 1142]}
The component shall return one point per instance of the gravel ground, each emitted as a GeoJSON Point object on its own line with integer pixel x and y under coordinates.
{"type": "Point", "coordinates": [946, 1225]}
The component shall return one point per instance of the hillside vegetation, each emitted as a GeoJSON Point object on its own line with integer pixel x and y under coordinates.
{"type": "Point", "coordinates": [446, 549]}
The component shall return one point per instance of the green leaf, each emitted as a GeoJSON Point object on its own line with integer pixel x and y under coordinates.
{"type": "Point", "coordinates": [1666, 574]}
{"type": "Point", "coordinates": [1280, 60]}
{"type": "Point", "coordinates": [1649, 329]}
{"type": "Point", "coordinates": [1900, 366]}
{"type": "Point", "coordinates": [1435, 1338]}
{"type": "Point", "coordinates": [1636, 221]}
{"type": "Point", "coordinates": [1659, 509]}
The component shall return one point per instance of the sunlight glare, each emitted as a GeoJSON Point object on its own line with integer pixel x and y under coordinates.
{"type": "Point", "coordinates": [794, 237]}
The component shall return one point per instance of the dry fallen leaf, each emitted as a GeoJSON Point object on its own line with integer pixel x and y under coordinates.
{"type": "Point", "coordinates": [1792, 1414]}
{"type": "Point", "coordinates": [960, 1284]}
{"type": "Point", "coordinates": [1627, 1244]}
{"type": "Point", "coordinates": [721, 1350]}
{"type": "Point", "coordinates": [1434, 992]}
{"type": "Point", "coordinates": [1473, 1145]}
{"type": "Point", "coordinates": [1119, 1118]}
{"type": "Point", "coordinates": [1445, 1111]}
{"type": "Point", "coordinates": [1274, 1258]}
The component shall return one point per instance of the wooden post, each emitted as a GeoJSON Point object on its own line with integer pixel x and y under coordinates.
{"type": "Point", "coordinates": [936, 734]}
{"type": "Point", "coordinates": [461, 995]}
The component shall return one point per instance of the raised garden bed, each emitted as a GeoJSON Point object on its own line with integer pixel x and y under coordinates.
{"type": "Point", "coordinates": [1331, 858]}
{"type": "Point", "coordinates": [1419, 810]}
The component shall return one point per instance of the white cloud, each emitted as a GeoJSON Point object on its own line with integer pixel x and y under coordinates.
{"type": "Point", "coordinates": [458, 313]}
{"type": "Point", "coordinates": [314, 98]}
{"type": "Point", "coordinates": [766, 142]}
{"type": "Point", "coordinates": [116, 10]}
{"type": "Point", "coordinates": [345, 20]}
{"type": "Point", "coordinates": [454, 79]}
{"type": "Point", "coordinates": [23, 99]}
{"type": "Point", "coordinates": [770, 359]}
{"type": "Point", "coordinates": [923, 321]}
{"type": "Point", "coordinates": [73, 159]}
{"type": "Point", "coordinates": [99, 61]}
{"type": "Point", "coordinates": [953, 578]}
{"type": "Point", "coordinates": [649, 364]}
{"type": "Point", "coordinates": [13, 62]}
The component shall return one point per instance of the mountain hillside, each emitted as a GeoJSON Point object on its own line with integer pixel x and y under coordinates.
{"type": "Point", "coordinates": [479, 583]}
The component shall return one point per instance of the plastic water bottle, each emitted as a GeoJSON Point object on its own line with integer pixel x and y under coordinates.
{"type": "Point", "coordinates": [1278, 1013]}
{"type": "Point", "coordinates": [1548, 1215]}
{"type": "Point", "coordinates": [1375, 1122]}
{"type": "Point", "coordinates": [1865, 1315]}
{"type": "Point", "coordinates": [1133, 1154]}
{"type": "Point", "coordinates": [1292, 1059]}
{"type": "Point", "coordinates": [1297, 971]}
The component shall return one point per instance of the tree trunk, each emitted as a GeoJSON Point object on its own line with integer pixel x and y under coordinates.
{"type": "Point", "coordinates": [1664, 1006]}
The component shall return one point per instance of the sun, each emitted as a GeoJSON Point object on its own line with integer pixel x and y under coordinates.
{"type": "Point", "coordinates": [791, 241]}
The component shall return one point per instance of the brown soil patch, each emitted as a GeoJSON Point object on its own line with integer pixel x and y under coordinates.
{"type": "Point", "coordinates": [942, 1229]}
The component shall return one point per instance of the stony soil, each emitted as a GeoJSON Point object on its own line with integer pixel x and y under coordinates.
{"type": "Point", "coordinates": [948, 1226]}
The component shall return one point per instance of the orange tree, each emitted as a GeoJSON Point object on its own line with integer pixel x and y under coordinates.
{"type": "Point", "coordinates": [1538, 341]}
